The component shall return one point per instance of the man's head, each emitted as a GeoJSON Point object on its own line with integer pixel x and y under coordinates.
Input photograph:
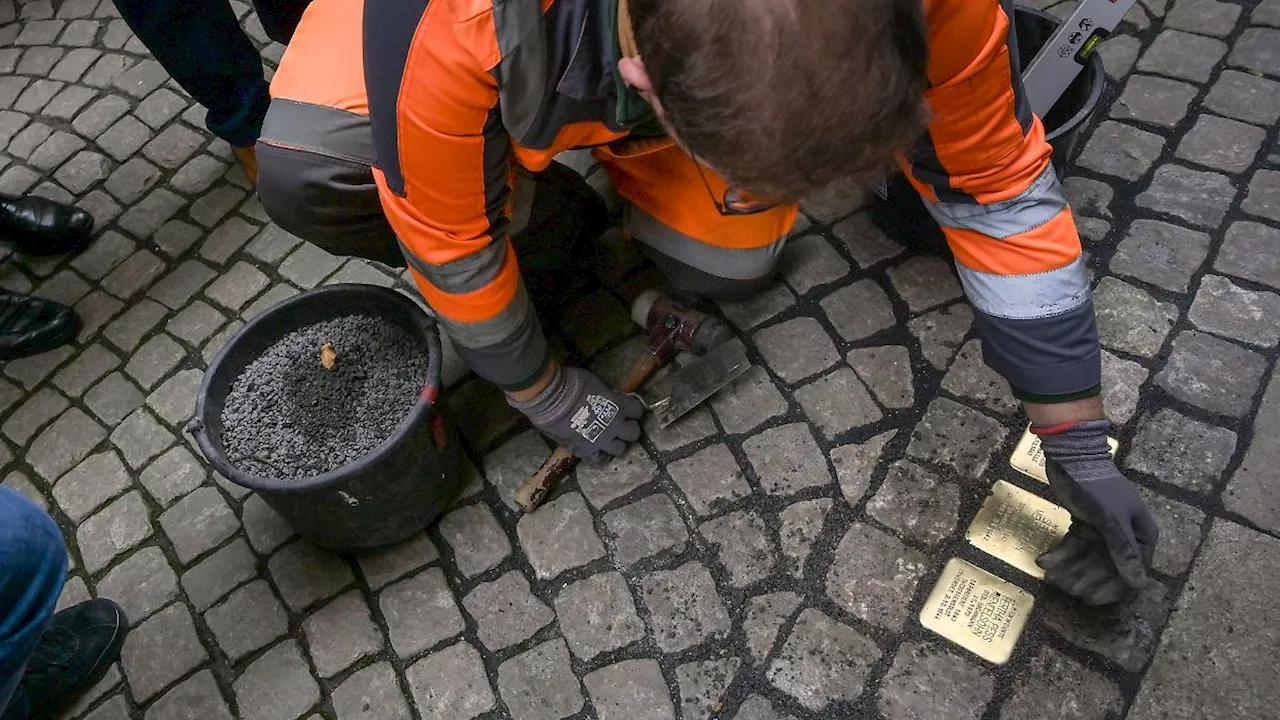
{"type": "Point", "coordinates": [784, 96]}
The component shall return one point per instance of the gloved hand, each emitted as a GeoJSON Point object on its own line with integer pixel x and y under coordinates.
{"type": "Point", "coordinates": [1082, 566]}
{"type": "Point", "coordinates": [1086, 481]}
{"type": "Point", "coordinates": [584, 415]}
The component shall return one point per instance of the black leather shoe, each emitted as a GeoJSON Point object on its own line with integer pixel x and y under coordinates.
{"type": "Point", "coordinates": [38, 226]}
{"type": "Point", "coordinates": [32, 325]}
{"type": "Point", "coordinates": [74, 653]}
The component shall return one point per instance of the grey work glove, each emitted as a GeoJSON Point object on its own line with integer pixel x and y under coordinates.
{"type": "Point", "coordinates": [1081, 565]}
{"type": "Point", "coordinates": [1121, 534]}
{"type": "Point", "coordinates": [584, 415]}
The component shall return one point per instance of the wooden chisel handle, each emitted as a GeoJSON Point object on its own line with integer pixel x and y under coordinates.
{"type": "Point", "coordinates": [534, 491]}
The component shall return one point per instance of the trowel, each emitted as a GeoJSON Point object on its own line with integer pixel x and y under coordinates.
{"type": "Point", "coordinates": [673, 396]}
{"type": "Point", "coordinates": [672, 328]}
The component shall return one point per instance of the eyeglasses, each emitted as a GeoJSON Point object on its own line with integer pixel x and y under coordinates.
{"type": "Point", "coordinates": [734, 202]}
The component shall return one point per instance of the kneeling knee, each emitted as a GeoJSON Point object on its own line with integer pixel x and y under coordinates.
{"type": "Point", "coordinates": [315, 180]}
{"type": "Point", "coordinates": [692, 283]}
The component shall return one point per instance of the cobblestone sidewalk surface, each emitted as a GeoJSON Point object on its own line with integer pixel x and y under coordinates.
{"type": "Point", "coordinates": [766, 557]}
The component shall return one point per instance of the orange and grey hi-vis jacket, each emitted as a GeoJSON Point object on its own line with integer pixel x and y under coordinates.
{"type": "Point", "coordinates": [462, 93]}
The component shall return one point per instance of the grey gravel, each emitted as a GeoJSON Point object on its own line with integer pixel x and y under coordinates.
{"type": "Point", "coordinates": [288, 417]}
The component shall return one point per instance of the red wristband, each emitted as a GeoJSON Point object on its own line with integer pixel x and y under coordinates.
{"type": "Point", "coordinates": [1052, 429]}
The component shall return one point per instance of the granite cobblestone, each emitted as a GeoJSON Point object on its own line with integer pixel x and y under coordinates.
{"type": "Point", "coordinates": [160, 651]}
{"type": "Point", "coordinates": [766, 557]}
{"type": "Point", "coordinates": [341, 633]}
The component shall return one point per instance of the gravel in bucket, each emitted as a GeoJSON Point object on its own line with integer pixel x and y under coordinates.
{"type": "Point", "coordinates": [290, 416]}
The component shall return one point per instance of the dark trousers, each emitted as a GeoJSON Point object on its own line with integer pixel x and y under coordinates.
{"type": "Point", "coordinates": [33, 566]}
{"type": "Point", "coordinates": [201, 44]}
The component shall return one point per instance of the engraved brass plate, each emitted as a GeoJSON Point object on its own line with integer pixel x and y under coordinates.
{"type": "Point", "coordinates": [1017, 526]}
{"type": "Point", "coordinates": [977, 611]}
{"type": "Point", "coordinates": [1028, 458]}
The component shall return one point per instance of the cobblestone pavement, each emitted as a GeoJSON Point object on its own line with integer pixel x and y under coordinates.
{"type": "Point", "coordinates": [765, 558]}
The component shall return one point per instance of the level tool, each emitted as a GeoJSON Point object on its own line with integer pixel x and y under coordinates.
{"type": "Point", "coordinates": [1068, 50]}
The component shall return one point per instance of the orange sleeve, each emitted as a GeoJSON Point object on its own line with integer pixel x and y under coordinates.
{"type": "Point", "coordinates": [984, 144]}
{"type": "Point", "coordinates": [444, 171]}
{"type": "Point", "coordinates": [984, 170]}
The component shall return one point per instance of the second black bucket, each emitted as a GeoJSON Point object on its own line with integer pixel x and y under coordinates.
{"type": "Point", "coordinates": [902, 214]}
{"type": "Point", "coordinates": [386, 496]}
{"type": "Point", "coordinates": [1067, 118]}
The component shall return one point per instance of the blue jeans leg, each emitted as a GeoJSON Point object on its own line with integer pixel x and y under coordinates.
{"type": "Point", "coordinates": [201, 44]}
{"type": "Point", "coordinates": [33, 566]}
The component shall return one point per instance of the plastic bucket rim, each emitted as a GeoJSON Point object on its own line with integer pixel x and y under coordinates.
{"type": "Point", "coordinates": [1098, 74]}
{"type": "Point", "coordinates": [421, 408]}
{"type": "Point", "coordinates": [1095, 70]}
{"type": "Point", "coordinates": [420, 411]}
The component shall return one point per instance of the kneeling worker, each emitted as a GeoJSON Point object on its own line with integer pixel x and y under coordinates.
{"type": "Point", "coordinates": [711, 118]}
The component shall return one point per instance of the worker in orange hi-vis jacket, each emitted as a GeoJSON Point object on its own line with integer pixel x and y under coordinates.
{"type": "Point", "coordinates": [423, 132]}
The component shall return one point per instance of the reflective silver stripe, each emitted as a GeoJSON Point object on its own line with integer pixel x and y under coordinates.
{"type": "Point", "coordinates": [1027, 297]}
{"type": "Point", "coordinates": [721, 262]}
{"type": "Point", "coordinates": [319, 129]}
{"type": "Point", "coordinates": [1035, 206]}
{"type": "Point", "coordinates": [464, 275]}
{"type": "Point", "coordinates": [470, 273]}
{"type": "Point", "coordinates": [506, 325]}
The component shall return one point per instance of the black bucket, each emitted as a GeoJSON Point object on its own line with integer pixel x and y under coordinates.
{"type": "Point", "coordinates": [393, 492]}
{"type": "Point", "coordinates": [901, 213]}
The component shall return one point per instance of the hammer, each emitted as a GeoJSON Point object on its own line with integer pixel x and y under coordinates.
{"type": "Point", "coordinates": [673, 328]}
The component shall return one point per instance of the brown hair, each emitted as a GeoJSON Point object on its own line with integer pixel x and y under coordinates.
{"type": "Point", "coordinates": [787, 96]}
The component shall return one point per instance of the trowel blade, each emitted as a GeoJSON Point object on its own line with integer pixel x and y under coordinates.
{"type": "Point", "coordinates": [683, 390]}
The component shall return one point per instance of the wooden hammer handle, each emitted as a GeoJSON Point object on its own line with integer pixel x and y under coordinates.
{"type": "Point", "coordinates": [641, 369]}
{"type": "Point", "coordinates": [534, 491]}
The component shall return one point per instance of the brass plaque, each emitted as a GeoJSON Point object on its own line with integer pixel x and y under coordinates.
{"type": "Point", "coordinates": [1017, 526]}
{"type": "Point", "coordinates": [977, 611]}
{"type": "Point", "coordinates": [1028, 458]}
